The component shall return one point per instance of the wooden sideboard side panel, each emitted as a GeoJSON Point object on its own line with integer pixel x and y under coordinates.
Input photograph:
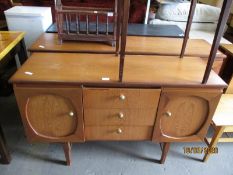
{"type": "Point", "coordinates": [185, 114]}
{"type": "Point", "coordinates": [51, 114]}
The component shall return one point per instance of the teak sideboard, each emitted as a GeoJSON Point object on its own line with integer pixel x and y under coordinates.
{"type": "Point", "coordinates": [65, 97]}
{"type": "Point", "coordinates": [77, 97]}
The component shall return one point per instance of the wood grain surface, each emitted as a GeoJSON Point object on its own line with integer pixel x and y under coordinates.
{"type": "Point", "coordinates": [169, 46]}
{"type": "Point", "coordinates": [166, 70]}
{"type": "Point", "coordinates": [102, 69]}
{"type": "Point", "coordinates": [64, 67]}
{"type": "Point", "coordinates": [111, 117]}
{"type": "Point", "coordinates": [185, 114]}
{"type": "Point", "coordinates": [49, 42]}
{"type": "Point", "coordinates": [110, 98]}
{"type": "Point", "coordinates": [112, 133]}
{"type": "Point", "coordinates": [8, 40]}
{"type": "Point", "coordinates": [45, 112]}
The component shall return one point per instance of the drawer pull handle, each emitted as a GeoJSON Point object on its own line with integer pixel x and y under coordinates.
{"type": "Point", "coordinates": [122, 97]}
{"type": "Point", "coordinates": [71, 114]}
{"type": "Point", "coordinates": [168, 114]}
{"type": "Point", "coordinates": [119, 131]}
{"type": "Point", "coordinates": [121, 115]}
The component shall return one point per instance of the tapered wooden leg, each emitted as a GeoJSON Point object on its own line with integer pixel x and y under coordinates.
{"type": "Point", "coordinates": [67, 151]}
{"type": "Point", "coordinates": [217, 134]}
{"type": "Point", "coordinates": [165, 150]}
{"type": "Point", "coordinates": [4, 153]}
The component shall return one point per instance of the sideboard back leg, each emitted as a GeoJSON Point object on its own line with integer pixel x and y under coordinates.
{"type": "Point", "coordinates": [67, 151]}
{"type": "Point", "coordinates": [165, 150]}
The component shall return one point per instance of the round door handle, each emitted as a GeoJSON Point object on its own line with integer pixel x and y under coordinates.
{"type": "Point", "coordinates": [119, 131]}
{"type": "Point", "coordinates": [168, 114]}
{"type": "Point", "coordinates": [122, 97]}
{"type": "Point", "coordinates": [121, 115]}
{"type": "Point", "coordinates": [71, 114]}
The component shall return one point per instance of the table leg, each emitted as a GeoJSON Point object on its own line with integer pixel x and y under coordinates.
{"type": "Point", "coordinates": [67, 151]}
{"type": "Point", "coordinates": [5, 156]}
{"type": "Point", "coordinates": [18, 64]}
{"type": "Point", "coordinates": [165, 150]}
{"type": "Point", "coordinates": [22, 52]}
{"type": "Point", "coordinates": [217, 134]}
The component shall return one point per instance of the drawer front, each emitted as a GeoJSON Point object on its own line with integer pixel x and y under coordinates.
{"type": "Point", "coordinates": [126, 117]}
{"type": "Point", "coordinates": [118, 133]}
{"type": "Point", "coordinates": [120, 98]}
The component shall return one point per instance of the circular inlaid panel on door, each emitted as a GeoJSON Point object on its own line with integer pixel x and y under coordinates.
{"type": "Point", "coordinates": [51, 115]}
{"type": "Point", "coordinates": [184, 116]}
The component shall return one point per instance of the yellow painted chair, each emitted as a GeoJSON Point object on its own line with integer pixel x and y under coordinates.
{"type": "Point", "coordinates": [223, 120]}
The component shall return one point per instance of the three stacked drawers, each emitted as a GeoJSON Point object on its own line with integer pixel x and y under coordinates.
{"type": "Point", "coordinates": [119, 114]}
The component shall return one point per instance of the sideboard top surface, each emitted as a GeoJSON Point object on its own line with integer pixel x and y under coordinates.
{"type": "Point", "coordinates": [103, 70]}
{"type": "Point", "coordinates": [167, 70]}
{"type": "Point", "coordinates": [169, 46]}
{"type": "Point", "coordinates": [48, 42]}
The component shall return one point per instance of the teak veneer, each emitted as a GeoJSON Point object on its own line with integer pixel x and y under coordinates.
{"type": "Point", "coordinates": [136, 45]}
{"type": "Point", "coordinates": [48, 42]}
{"type": "Point", "coordinates": [159, 46]}
{"type": "Point", "coordinates": [68, 90]}
{"type": "Point", "coordinates": [102, 70]}
{"type": "Point", "coordinates": [8, 41]}
{"type": "Point", "coordinates": [67, 97]}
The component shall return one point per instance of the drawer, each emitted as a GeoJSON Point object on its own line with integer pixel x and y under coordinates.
{"type": "Point", "coordinates": [120, 98]}
{"type": "Point", "coordinates": [118, 133]}
{"type": "Point", "coordinates": [126, 117]}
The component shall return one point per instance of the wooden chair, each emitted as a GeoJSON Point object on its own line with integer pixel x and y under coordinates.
{"type": "Point", "coordinates": [74, 23]}
{"type": "Point", "coordinates": [222, 121]}
{"type": "Point", "coordinates": [4, 153]}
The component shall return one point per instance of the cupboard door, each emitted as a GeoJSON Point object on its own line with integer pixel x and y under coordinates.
{"type": "Point", "coordinates": [185, 114]}
{"type": "Point", "coordinates": [51, 114]}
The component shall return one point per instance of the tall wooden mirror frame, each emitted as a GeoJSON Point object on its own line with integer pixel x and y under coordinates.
{"type": "Point", "coordinates": [225, 11]}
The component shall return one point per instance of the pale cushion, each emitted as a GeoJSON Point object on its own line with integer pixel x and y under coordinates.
{"type": "Point", "coordinates": [180, 12]}
{"type": "Point", "coordinates": [182, 24]}
{"type": "Point", "coordinates": [197, 31]}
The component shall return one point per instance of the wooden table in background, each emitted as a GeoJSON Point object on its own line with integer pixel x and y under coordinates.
{"type": "Point", "coordinates": [12, 43]}
{"type": "Point", "coordinates": [136, 45]}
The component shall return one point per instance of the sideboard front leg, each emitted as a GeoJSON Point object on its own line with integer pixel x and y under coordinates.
{"type": "Point", "coordinates": [67, 151]}
{"type": "Point", "coordinates": [165, 150]}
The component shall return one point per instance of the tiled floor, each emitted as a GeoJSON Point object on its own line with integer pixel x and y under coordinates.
{"type": "Point", "coordinates": [103, 158]}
